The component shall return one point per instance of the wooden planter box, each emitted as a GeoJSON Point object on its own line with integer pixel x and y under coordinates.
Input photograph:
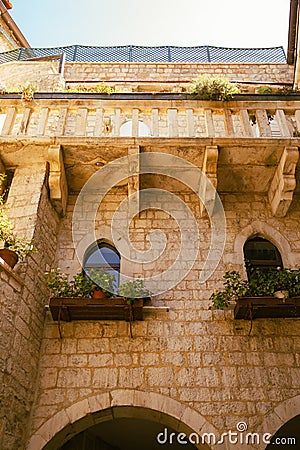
{"type": "Point", "coordinates": [266, 307]}
{"type": "Point", "coordinates": [78, 308]}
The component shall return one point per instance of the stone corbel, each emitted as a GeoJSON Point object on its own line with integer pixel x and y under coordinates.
{"type": "Point", "coordinates": [284, 182]}
{"type": "Point", "coordinates": [209, 169]}
{"type": "Point", "coordinates": [57, 179]}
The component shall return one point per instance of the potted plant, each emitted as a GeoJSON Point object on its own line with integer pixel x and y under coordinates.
{"type": "Point", "coordinates": [73, 299]}
{"type": "Point", "coordinates": [133, 290]}
{"type": "Point", "coordinates": [270, 293]}
{"type": "Point", "coordinates": [60, 286]}
{"type": "Point", "coordinates": [103, 282]}
{"type": "Point", "coordinates": [14, 248]}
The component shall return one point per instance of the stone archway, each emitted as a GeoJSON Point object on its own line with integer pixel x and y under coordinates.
{"type": "Point", "coordinates": [84, 414]}
{"type": "Point", "coordinates": [279, 416]}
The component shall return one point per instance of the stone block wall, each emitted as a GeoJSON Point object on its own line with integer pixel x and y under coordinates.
{"type": "Point", "coordinates": [7, 42]}
{"type": "Point", "coordinates": [201, 358]}
{"type": "Point", "coordinates": [179, 72]}
{"type": "Point", "coordinates": [23, 304]}
{"type": "Point", "coordinates": [44, 74]}
{"type": "Point", "coordinates": [136, 76]}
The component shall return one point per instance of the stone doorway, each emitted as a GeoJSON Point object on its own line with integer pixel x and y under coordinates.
{"type": "Point", "coordinates": [128, 428]}
{"type": "Point", "coordinates": [137, 412]}
{"type": "Point", "coordinates": [127, 434]}
{"type": "Point", "coordinates": [287, 437]}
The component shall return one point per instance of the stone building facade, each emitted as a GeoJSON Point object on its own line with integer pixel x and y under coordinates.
{"type": "Point", "coordinates": [195, 370]}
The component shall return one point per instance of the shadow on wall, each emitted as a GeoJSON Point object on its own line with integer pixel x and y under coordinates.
{"type": "Point", "coordinates": [126, 434]}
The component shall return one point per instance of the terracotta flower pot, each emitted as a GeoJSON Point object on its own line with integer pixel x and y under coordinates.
{"type": "Point", "coordinates": [99, 294]}
{"type": "Point", "coordinates": [9, 256]}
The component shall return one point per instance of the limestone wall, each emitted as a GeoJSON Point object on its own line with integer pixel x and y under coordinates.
{"type": "Point", "coordinates": [22, 304]}
{"type": "Point", "coordinates": [179, 72]}
{"type": "Point", "coordinates": [7, 42]}
{"type": "Point", "coordinates": [201, 358]}
{"type": "Point", "coordinates": [136, 76]}
{"type": "Point", "coordinates": [14, 75]}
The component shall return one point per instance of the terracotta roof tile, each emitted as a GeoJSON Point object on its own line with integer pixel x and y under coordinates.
{"type": "Point", "coordinates": [7, 4]}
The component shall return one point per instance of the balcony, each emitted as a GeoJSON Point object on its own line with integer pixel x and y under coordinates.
{"type": "Point", "coordinates": [249, 145]}
{"type": "Point", "coordinates": [150, 115]}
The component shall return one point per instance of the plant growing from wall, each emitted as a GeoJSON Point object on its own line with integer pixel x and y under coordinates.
{"type": "Point", "coordinates": [265, 90]}
{"type": "Point", "coordinates": [28, 90]}
{"type": "Point", "coordinates": [100, 88]}
{"type": "Point", "coordinates": [260, 283]}
{"type": "Point", "coordinates": [212, 88]}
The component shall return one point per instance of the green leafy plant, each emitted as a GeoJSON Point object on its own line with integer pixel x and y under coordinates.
{"type": "Point", "coordinates": [20, 245]}
{"type": "Point", "coordinates": [265, 90]}
{"type": "Point", "coordinates": [133, 290]}
{"type": "Point", "coordinates": [234, 287]}
{"type": "Point", "coordinates": [103, 280]}
{"type": "Point", "coordinates": [260, 283]}
{"type": "Point", "coordinates": [101, 88]}
{"type": "Point", "coordinates": [212, 88]}
{"type": "Point", "coordinates": [60, 285]}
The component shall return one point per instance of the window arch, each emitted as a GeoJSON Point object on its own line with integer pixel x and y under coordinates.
{"type": "Point", "coordinates": [262, 254]}
{"type": "Point", "coordinates": [104, 256]}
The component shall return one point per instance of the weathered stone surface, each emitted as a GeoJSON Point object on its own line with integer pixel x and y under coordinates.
{"type": "Point", "coordinates": [189, 355]}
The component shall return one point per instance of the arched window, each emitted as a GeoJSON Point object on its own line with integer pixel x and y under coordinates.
{"type": "Point", "coordinates": [262, 254]}
{"type": "Point", "coordinates": [103, 256]}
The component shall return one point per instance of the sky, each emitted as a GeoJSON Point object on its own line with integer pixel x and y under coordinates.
{"type": "Point", "coordinates": [224, 23]}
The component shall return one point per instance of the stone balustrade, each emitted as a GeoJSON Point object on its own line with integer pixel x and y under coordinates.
{"type": "Point", "coordinates": [181, 118]}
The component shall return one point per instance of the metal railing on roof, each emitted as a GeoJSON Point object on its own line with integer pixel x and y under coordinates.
{"type": "Point", "coordinates": [133, 53]}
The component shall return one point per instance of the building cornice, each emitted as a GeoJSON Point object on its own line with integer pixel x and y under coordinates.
{"type": "Point", "coordinates": [10, 23]}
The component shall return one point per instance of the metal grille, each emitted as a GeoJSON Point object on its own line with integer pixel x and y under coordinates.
{"type": "Point", "coordinates": [132, 53]}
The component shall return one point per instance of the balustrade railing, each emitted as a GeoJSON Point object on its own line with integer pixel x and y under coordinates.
{"type": "Point", "coordinates": [161, 119]}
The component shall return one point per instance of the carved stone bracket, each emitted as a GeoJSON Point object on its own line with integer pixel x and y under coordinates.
{"type": "Point", "coordinates": [284, 182]}
{"type": "Point", "coordinates": [57, 179]}
{"type": "Point", "coordinates": [209, 169]}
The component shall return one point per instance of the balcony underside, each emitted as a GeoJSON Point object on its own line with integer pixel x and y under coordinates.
{"type": "Point", "coordinates": [267, 166]}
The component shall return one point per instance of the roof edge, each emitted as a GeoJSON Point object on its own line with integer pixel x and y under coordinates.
{"type": "Point", "coordinates": [18, 35]}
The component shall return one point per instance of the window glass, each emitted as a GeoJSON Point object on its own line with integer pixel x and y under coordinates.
{"type": "Point", "coordinates": [105, 257]}
{"type": "Point", "coordinates": [261, 253]}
